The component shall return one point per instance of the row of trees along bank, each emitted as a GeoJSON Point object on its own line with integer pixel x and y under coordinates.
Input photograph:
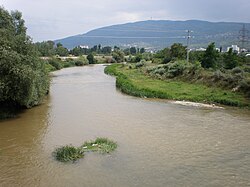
{"type": "Point", "coordinates": [24, 80]}
{"type": "Point", "coordinates": [50, 48]}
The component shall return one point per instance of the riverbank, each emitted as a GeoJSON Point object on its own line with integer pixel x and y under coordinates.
{"type": "Point", "coordinates": [134, 82]}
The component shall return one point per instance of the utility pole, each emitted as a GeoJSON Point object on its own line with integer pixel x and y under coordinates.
{"type": "Point", "coordinates": [243, 36]}
{"type": "Point", "coordinates": [188, 42]}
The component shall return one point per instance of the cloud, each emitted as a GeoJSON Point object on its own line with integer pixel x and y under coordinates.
{"type": "Point", "coordinates": [53, 19]}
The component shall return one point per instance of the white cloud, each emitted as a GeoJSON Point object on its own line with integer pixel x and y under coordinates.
{"type": "Point", "coordinates": [53, 19]}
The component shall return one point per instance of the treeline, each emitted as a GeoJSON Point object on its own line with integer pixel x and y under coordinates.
{"type": "Point", "coordinates": [210, 58]}
{"type": "Point", "coordinates": [49, 48]}
{"type": "Point", "coordinates": [227, 70]}
{"type": "Point", "coordinates": [24, 80]}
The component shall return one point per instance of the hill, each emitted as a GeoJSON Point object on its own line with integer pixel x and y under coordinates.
{"type": "Point", "coordinates": [158, 34]}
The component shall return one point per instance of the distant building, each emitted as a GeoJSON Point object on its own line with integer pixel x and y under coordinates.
{"type": "Point", "coordinates": [235, 48]}
{"type": "Point", "coordinates": [243, 50]}
{"type": "Point", "coordinates": [84, 46]}
{"type": "Point", "coordinates": [218, 49]}
{"type": "Point", "coordinates": [201, 49]}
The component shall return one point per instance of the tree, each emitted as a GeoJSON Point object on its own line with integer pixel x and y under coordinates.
{"type": "Point", "coordinates": [59, 45]}
{"type": "Point", "coordinates": [118, 56]}
{"type": "Point", "coordinates": [178, 51]}
{"type": "Point", "coordinates": [210, 57]}
{"type": "Point", "coordinates": [45, 48]}
{"type": "Point", "coordinates": [61, 51]}
{"type": "Point", "coordinates": [116, 48]}
{"type": "Point", "coordinates": [76, 51]}
{"type": "Point", "coordinates": [99, 48]}
{"type": "Point", "coordinates": [91, 59]}
{"type": "Point", "coordinates": [24, 80]}
{"type": "Point", "coordinates": [230, 59]}
{"type": "Point", "coordinates": [94, 49]}
{"type": "Point", "coordinates": [107, 50]}
{"type": "Point", "coordinates": [132, 50]}
{"type": "Point", "coordinates": [142, 50]}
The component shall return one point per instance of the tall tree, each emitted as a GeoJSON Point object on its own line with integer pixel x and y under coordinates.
{"type": "Point", "coordinates": [210, 57]}
{"type": "Point", "coordinates": [132, 50]}
{"type": "Point", "coordinates": [230, 59]}
{"type": "Point", "coordinates": [23, 78]}
{"type": "Point", "coordinates": [61, 51]}
{"type": "Point", "coordinates": [178, 51]}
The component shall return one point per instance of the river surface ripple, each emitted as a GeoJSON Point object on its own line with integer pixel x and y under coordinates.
{"type": "Point", "coordinates": [159, 143]}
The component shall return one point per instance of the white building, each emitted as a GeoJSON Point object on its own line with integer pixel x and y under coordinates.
{"type": "Point", "coordinates": [84, 46]}
{"type": "Point", "coordinates": [201, 49]}
{"type": "Point", "coordinates": [235, 48]}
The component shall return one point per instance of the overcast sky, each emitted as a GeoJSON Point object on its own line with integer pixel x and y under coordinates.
{"type": "Point", "coordinates": [54, 19]}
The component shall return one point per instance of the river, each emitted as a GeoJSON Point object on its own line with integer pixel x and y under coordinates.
{"type": "Point", "coordinates": [159, 143]}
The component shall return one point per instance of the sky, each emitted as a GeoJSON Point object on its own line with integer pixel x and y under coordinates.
{"type": "Point", "coordinates": [55, 19]}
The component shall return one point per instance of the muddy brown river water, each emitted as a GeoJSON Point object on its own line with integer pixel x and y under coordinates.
{"type": "Point", "coordinates": [160, 144]}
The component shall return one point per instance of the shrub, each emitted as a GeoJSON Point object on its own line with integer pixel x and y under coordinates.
{"type": "Point", "coordinates": [247, 68]}
{"type": "Point", "coordinates": [218, 75]}
{"type": "Point", "coordinates": [159, 71]}
{"type": "Point", "coordinates": [176, 68]}
{"type": "Point", "coordinates": [237, 70]}
{"type": "Point", "coordinates": [110, 60]}
{"type": "Point", "coordinates": [140, 64]}
{"type": "Point", "coordinates": [166, 60]}
{"type": "Point", "coordinates": [118, 56]}
{"type": "Point", "coordinates": [68, 63]}
{"type": "Point", "coordinates": [79, 63]}
{"type": "Point", "coordinates": [245, 86]}
{"type": "Point", "coordinates": [91, 59]}
{"type": "Point", "coordinates": [56, 63]}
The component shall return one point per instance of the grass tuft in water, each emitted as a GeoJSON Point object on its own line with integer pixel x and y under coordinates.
{"type": "Point", "coordinates": [68, 153]}
{"type": "Point", "coordinates": [102, 145]}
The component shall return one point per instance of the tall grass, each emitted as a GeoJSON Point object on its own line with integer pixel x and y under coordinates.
{"type": "Point", "coordinates": [134, 82]}
{"type": "Point", "coordinates": [68, 153]}
{"type": "Point", "coordinates": [102, 145]}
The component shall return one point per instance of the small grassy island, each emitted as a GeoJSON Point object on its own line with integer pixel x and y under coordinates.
{"type": "Point", "coordinates": [70, 153]}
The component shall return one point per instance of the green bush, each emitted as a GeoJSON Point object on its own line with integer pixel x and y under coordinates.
{"type": "Point", "coordinates": [245, 86]}
{"type": "Point", "coordinates": [79, 63]}
{"type": "Point", "coordinates": [176, 68]}
{"type": "Point", "coordinates": [166, 60]}
{"type": "Point", "coordinates": [140, 64]}
{"type": "Point", "coordinates": [68, 63]}
{"type": "Point", "coordinates": [237, 70]}
{"type": "Point", "coordinates": [56, 63]}
{"type": "Point", "coordinates": [91, 59]}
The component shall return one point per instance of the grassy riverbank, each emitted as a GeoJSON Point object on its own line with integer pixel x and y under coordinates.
{"type": "Point", "coordinates": [133, 82]}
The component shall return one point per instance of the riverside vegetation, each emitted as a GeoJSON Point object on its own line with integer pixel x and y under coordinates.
{"type": "Point", "coordinates": [210, 76]}
{"type": "Point", "coordinates": [24, 80]}
{"type": "Point", "coordinates": [70, 153]}
{"type": "Point", "coordinates": [168, 76]}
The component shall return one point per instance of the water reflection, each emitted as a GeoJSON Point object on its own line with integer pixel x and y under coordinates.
{"type": "Point", "coordinates": [21, 140]}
